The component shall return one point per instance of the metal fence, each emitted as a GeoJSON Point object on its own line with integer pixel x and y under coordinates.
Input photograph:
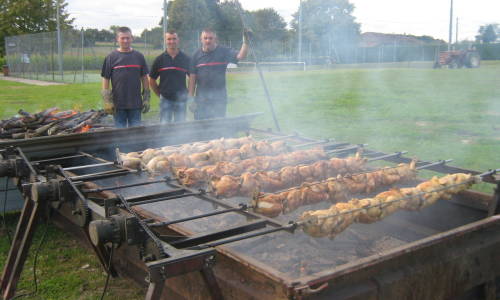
{"type": "Point", "coordinates": [35, 56]}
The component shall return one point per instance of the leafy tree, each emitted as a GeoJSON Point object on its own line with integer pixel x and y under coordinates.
{"type": "Point", "coordinates": [152, 37]}
{"type": "Point", "coordinates": [93, 35]}
{"type": "Point", "coordinates": [270, 32]}
{"type": "Point", "coordinates": [488, 33]}
{"type": "Point", "coordinates": [268, 24]}
{"type": "Point", "coordinates": [327, 23]}
{"type": "Point", "coordinates": [30, 16]}
{"type": "Point", "coordinates": [229, 25]}
{"type": "Point", "coordinates": [188, 16]}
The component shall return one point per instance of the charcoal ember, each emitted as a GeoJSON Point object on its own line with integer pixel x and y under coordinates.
{"type": "Point", "coordinates": [47, 122]}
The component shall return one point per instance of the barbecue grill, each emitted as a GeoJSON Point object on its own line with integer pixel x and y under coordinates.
{"type": "Point", "coordinates": [183, 242]}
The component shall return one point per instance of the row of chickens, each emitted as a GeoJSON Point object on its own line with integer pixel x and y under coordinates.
{"type": "Point", "coordinates": [163, 160]}
{"type": "Point", "coordinates": [291, 175]}
{"type": "Point", "coordinates": [333, 189]}
{"type": "Point", "coordinates": [332, 221]}
{"type": "Point", "coordinates": [193, 176]}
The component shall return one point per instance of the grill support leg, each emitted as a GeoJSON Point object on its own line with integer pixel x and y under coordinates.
{"type": "Point", "coordinates": [211, 282]}
{"type": "Point", "coordinates": [19, 249]}
{"type": "Point", "coordinates": [494, 208]}
{"type": "Point", "coordinates": [156, 284]}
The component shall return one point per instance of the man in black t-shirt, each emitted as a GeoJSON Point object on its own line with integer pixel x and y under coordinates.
{"type": "Point", "coordinates": [207, 77]}
{"type": "Point", "coordinates": [127, 70]}
{"type": "Point", "coordinates": [172, 67]}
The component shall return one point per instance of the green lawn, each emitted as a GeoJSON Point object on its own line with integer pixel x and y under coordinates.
{"type": "Point", "coordinates": [434, 114]}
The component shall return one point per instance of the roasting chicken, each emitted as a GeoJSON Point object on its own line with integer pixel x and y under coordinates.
{"type": "Point", "coordinates": [332, 189]}
{"type": "Point", "coordinates": [161, 160]}
{"type": "Point", "coordinates": [270, 181]}
{"type": "Point", "coordinates": [194, 176]}
{"type": "Point", "coordinates": [332, 221]}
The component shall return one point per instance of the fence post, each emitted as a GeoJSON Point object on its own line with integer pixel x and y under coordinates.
{"type": "Point", "coordinates": [394, 52]}
{"type": "Point", "coordinates": [83, 55]}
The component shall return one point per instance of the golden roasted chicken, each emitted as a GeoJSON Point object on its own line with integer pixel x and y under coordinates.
{"type": "Point", "coordinates": [332, 221]}
{"type": "Point", "coordinates": [333, 189]}
{"type": "Point", "coordinates": [193, 176]}
{"type": "Point", "coordinates": [248, 183]}
{"type": "Point", "coordinates": [159, 161]}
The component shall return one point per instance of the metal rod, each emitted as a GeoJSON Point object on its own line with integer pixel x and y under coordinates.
{"type": "Point", "coordinates": [100, 175]}
{"type": "Point", "coordinates": [88, 166]}
{"type": "Point", "coordinates": [243, 237]}
{"type": "Point", "coordinates": [21, 153]}
{"type": "Point", "coordinates": [488, 173]}
{"type": "Point", "coordinates": [438, 163]}
{"type": "Point", "coordinates": [59, 158]}
{"type": "Point", "coordinates": [110, 188]}
{"type": "Point", "coordinates": [224, 204]}
{"type": "Point", "coordinates": [70, 181]}
{"type": "Point", "coordinates": [164, 199]}
{"type": "Point", "coordinates": [219, 212]}
{"type": "Point", "coordinates": [279, 138]}
{"type": "Point", "coordinates": [218, 234]}
{"type": "Point", "coordinates": [259, 70]}
{"type": "Point", "coordinates": [396, 154]}
{"type": "Point", "coordinates": [313, 143]}
{"type": "Point", "coordinates": [177, 191]}
{"type": "Point", "coordinates": [346, 149]}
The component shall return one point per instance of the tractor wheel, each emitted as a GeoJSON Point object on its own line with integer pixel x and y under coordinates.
{"type": "Point", "coordinates": [453, 64]}
{"type": "Point", "coordinates": [437, 65]}
{"type": "Point", "coordinates": [472, 60]}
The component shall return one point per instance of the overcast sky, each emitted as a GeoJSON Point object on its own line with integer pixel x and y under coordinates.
{"type": "Point", "coordinates": [418, 17]}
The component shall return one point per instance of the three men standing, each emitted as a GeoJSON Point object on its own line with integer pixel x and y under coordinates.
{"type": "Point", "coordinates": [172, 67]}
{"type": "Point", "coordinates": [207, 79]}
{"type": "Point", "coordinates": [127, 71]}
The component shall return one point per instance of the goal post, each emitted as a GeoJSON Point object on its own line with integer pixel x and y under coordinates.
{"type": "Point", "coordinates": [274, 66]}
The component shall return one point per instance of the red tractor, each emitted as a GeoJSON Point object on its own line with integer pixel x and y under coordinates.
{"type": "Point", "coordinates": [458, 59]}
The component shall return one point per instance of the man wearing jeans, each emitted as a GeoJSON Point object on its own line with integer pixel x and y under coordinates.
{"type": "Point", "coordinates": [207, 79]}
{"type": "Point", "coordinates": [126, 69]}
{"type": "Point", "coordinates": [172, 68]}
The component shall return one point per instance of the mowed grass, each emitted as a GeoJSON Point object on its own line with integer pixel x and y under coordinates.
{"type": "Point", "coordinates": [433, 114]}
{"type": "Point", "coordinates": [64, 269]}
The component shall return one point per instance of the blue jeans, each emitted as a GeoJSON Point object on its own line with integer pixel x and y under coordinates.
{"type": "Point", "coordinates": [172, 111]}
{"type": "Point", "coordinates": [127, 118]}
{"type": "Point", "coordinates": [210, 109]}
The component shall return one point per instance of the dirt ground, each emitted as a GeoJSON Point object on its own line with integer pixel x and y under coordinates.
{"type": "Point", "coordinates": [29, 81]}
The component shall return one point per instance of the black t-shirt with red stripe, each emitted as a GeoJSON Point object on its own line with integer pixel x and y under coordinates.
{"type": "Point", "coordinates": [125, 69]}
{"type": "Point", "coordinates": [210, 69]}
{"type": "Point", "coordinates": [172, 73]}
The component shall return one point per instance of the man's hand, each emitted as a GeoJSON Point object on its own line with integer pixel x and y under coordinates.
{"type": "Point", "coordinates": [107, 101]}
{"type": "Point", "coordinates": [146, 95]}
{"type": "Point", "coordinates": [247, 35]}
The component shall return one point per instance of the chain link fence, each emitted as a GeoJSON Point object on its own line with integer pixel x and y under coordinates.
{"type": "Point", "coordinates": [35, 56]}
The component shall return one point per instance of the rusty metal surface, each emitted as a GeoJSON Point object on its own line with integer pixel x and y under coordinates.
{"type": "Point", "coordinates": [441, 252]}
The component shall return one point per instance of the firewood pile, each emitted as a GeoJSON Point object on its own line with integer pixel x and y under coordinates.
{"type": "Point", "coordinates": [49, 122]}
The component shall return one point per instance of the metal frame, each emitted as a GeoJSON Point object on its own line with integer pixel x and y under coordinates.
{"type": "Point", "coordinates": [180, 255]}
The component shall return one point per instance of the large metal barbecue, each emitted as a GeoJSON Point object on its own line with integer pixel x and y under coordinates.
{"type": "Point", "coordinates": [189, 244]}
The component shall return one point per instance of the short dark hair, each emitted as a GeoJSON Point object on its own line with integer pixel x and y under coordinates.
{"type": "Point", "coordinates": [209, 30]}
{"type": "Point", "coordinates": [172, 31]}
{"type": "Point", "coordinates": [123, 29]}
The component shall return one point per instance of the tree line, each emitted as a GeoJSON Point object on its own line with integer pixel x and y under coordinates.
{"type": "Point", "coordinates": [326, 24]}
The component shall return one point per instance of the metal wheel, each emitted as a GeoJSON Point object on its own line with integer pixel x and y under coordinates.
{"type": "Point", "coordinates": [472, 60]}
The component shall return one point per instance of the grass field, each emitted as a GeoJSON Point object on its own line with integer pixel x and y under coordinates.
{"type": "Point", "coordinates": [433, 114]}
